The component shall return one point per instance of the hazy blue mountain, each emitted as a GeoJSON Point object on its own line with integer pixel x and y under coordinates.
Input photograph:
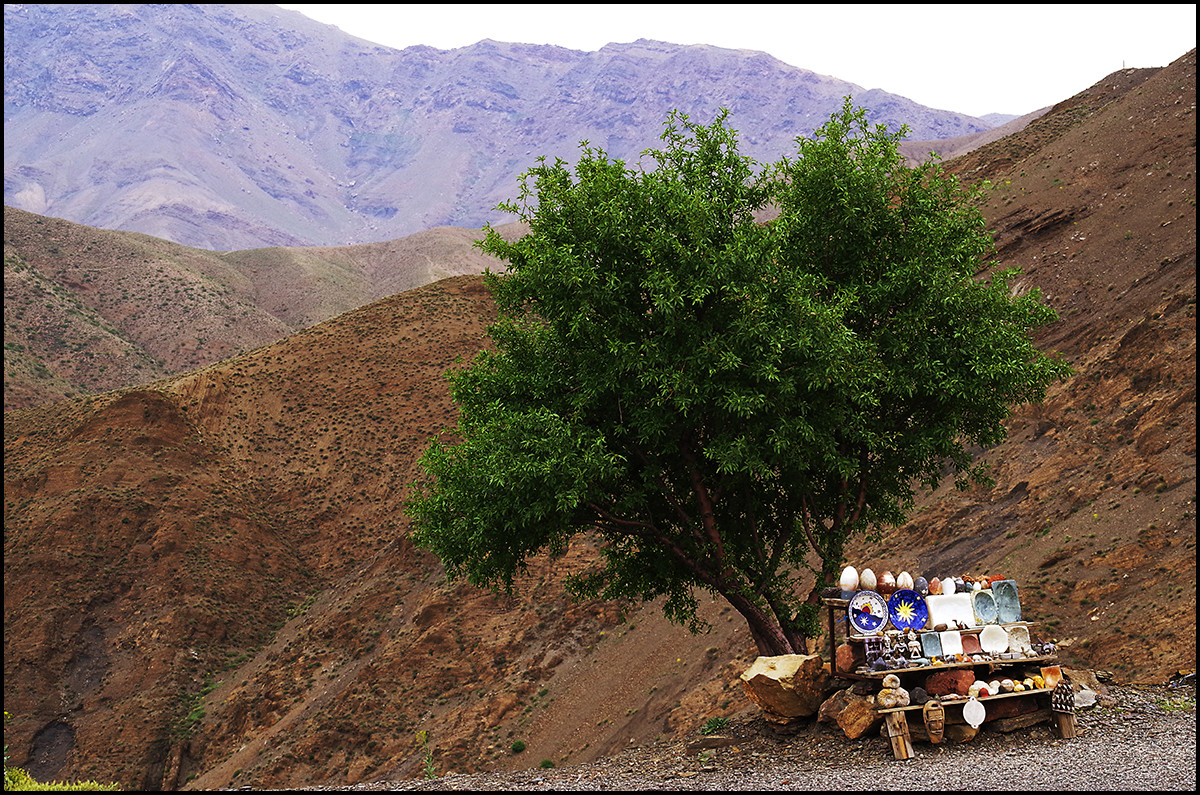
{"type": "Point", "coordinates": [235, 126]}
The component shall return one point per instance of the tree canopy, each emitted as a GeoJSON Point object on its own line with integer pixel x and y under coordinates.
{"type": "Point", "coordinates": [723, 402]}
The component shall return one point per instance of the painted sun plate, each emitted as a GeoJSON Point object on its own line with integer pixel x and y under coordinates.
{"type": "Point", "coordinates": [908, 610]}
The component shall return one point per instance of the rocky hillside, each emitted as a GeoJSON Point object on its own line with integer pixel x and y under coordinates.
{"type": "Point", "coordinates": [209, 583]}
{"type": "Point", "coordinates": [240, 126]}
{"type": "Point", "coordinates": [88, 310]}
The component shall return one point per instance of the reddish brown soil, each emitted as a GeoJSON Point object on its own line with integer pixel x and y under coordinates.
{"type": "Point", "coordinates": [208, 583]}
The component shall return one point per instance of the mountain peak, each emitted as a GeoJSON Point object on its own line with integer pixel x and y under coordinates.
{"type": "Point", "coordinates": [288, 129]}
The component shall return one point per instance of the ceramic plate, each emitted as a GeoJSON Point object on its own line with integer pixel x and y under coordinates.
{"type": "Point", "coordinates": [868, 612]}
{"type": "Point", "coordinates": [974, 713]}
{"type": "Point", "coordinates": [953, 610]}
{"type": "Point", "coordinates": [907, 609]}
{"type": "Point", "coordinates": [984, 605]}
{"type": "Point", "coordinates": [1008, 603]}
{"type": "Point", "coordinates": [993, 639]}
{"type": "Point", "coordinates": [951, 641]}
{"type": "Point", "coordinates": [1018, 639]}
{"type": "Point", "coordinates": [931, 644]}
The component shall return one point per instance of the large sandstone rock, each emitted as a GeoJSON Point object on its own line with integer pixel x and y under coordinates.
{"type": "Point", "coordinates": [848, 657]}
{"type": "Point", "coordinates": [787, 686]}
{"type": "Point", "coordinates": [1081, 678]}
{"type": "Point", "coordinates": [832, 707]}
{"type": "Point", "coordinates": [859, 717]}
{"type": "Point", "coordinates": [1010, 707]}
{"type": "Point", "coordinates": [955, 680]}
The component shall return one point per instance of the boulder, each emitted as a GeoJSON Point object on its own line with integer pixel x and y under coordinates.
{"type": "Point", "coordinates": [848, 657]}
{"type": "Point", "coordinates": [1000, 709]}
{"type": "Point", "coordinates": [859, 717]}
{"type": "Point", "coordinates": [1081, 678]}
{"type": "Point", "coordinates": [787, 686]}
{"type": "Point", "coordinates": [832, 707]}
{"type": "Point", "coordinates": [960, 733]}
{"type": "Point", "coordinates": [955, 680]}
{"type": "Point", "coordinates": [1085, 698]}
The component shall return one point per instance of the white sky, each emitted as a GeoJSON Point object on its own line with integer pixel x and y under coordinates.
{"type": "Point", "coordinates": [970, 58]}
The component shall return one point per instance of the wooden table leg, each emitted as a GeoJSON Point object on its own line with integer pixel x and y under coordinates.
{"type": "Point", "coordinates": [897, 729]}
{"type": "Point", "coordinates": [832, 641]}
{"type": "Point", "coordinates": [1064, 724]}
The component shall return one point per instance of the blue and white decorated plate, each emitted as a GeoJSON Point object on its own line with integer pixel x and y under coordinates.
{"type": "Point", "coordinates": [908, 610]}
{"type": "Point", "coordinates": [868, 612]}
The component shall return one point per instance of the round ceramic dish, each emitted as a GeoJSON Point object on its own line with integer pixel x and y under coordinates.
{"type": "Point", "coordinates": [868, 612]}
{"type": "Point", "coordinates": [908, 610]}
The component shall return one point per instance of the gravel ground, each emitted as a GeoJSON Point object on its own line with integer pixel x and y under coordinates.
{"type": "Point", "coordinates": [1142, 738]}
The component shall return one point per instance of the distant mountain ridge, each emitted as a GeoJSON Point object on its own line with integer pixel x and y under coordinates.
{"type": "Point", "coordinates": [239, 126]}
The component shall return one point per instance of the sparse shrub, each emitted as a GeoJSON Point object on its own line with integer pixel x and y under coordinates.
{"type": "Point", "coordinates": [518, 746]}
{"type": "Point", "coordinates": [17, 780]}
{"type": "Point", "coordinates": [430, 767]}
{"type": "Point", "coordinates": [713, 725]}
{"type": "Point", "coordinates": [547, 764]}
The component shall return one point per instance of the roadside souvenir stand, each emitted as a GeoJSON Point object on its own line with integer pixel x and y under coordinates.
{"type": "Point", "coordinates": [902, 633]}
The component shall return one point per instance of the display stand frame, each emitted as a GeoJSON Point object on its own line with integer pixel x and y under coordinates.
{"type": "Point", "coordinates": [895, 718]}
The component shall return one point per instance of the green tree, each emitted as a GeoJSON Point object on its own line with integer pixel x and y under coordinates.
{"type": "Point", "coordinates": [723, 402]}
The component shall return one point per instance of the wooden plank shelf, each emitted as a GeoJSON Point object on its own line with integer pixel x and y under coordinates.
{"type": "Point", "coordinates": [834, 606]}
{"type": "Point", "coordinates": [975, 630]}
{"type": "Point", "coordinates": [995, 663]}
{"type": "Point", "coordinates": [950, 701]}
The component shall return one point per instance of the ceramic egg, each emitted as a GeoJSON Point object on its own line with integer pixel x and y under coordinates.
{"type": "Point", "coordinates": [904, 580]}
{"type": "Point", "coordinates": [947, 585]}
{"type": "Point", "coordinates": [849, 580]}
{"type": "Point", "coordinates": [887, 583]}
{"type": "Point", "coordinates": [935, 586]}
{"type": "Point", "coordinates": [867, 580]}
{"type": "Point", "coordinates": [921, 586]}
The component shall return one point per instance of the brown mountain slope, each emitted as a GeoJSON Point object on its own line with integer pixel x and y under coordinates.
{"type": "Point", "coordinates": [88, 310]}
{"type": "Point", "coordinates": [1095, 494]}
{"type": "Point", "coordinates": [211, 577]}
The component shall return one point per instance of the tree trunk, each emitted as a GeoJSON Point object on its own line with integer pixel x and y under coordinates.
{"type": "Point", "coordinates": [768, 635]}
